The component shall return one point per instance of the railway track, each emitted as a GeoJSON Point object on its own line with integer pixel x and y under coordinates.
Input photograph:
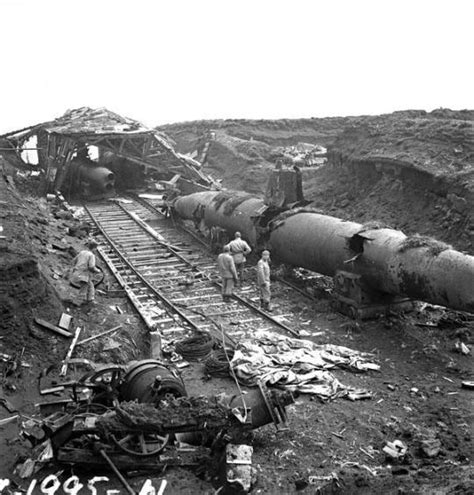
{"type": "Point", "coordinates": [169, 278]}
{"type": "Point", "coordinates": [154, 205]}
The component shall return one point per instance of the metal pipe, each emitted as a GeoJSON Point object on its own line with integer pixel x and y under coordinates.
{"type": "Point", "coordinates": [21, 149]}
{"type": "Point", "coordinates": [119, 475]}
{"type": "Point", "coordinates": [100, 178]}
{"type": "Point", "coordinates": [387, 260]}
{"type": "Point", "coordinates": [230, 210]}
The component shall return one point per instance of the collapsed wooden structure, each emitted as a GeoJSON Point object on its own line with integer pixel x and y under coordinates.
{"type": "Point", "coordinates": [59, 140]}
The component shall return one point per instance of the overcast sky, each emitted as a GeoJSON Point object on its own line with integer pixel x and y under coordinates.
{"type": "Point", "coordinates": [167, 61]}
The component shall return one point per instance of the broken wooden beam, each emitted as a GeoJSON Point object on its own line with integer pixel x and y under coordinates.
{"type": "Point", "coordinates": [53, 328]}
{"type": "Point", "coordinates": [98, 336]}
{"type": "Point", "coordinates": [8, 420]}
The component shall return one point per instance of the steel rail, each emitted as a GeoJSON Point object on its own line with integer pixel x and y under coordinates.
{"type": "Point", "coordinates": [132, 297]}
{"type": "Point", "coordinates": [206, 244]}
{"type": "Point", "coordinates": [139, 275]}
{"type": "Point", "coordinates": [148, 229]}
{"type": "Point", "coordinates": [217, 284]}
{"type": "Point", "coordinates": [178, 226]}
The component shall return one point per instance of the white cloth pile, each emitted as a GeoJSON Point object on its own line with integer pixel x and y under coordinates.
{"type": "Point", "coordinates": [299, 365]}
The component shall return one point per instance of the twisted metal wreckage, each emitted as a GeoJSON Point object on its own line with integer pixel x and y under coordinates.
{"type": "Point", "coordinates": [139, 416]}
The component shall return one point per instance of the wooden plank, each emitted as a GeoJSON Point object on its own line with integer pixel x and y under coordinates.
{"type": "Point", "coordinates": [69, 352]}
{"type": "Point", "coordinates": [53, 328]}
{"type": "Point", "coordinates": [114, 329]}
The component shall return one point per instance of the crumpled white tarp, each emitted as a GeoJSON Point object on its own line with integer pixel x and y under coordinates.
{"type": "Point", "coordinates": [299, 365]}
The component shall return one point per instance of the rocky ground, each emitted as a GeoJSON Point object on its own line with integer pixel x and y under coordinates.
{"type": "Point", "coordinates": [334, 447]}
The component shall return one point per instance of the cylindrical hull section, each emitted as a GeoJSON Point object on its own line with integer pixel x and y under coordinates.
{"type": "Point", "coordinates": [230, 210]}
{"type": "Point", "coordinates": [445, 278]}
{"type": "Point", "coordinates": [100, 178]}
{"type": "Point", "coordinates": [312, 240]}
{"type": "Point", "coordinates": [326, 244]}
{"type": "Point", "coordinates": [323, 244]}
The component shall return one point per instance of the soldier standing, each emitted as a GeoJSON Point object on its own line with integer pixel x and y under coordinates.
{"type": "Point", "coordinates": [228, 273]}
{"type": "Point", "coordinates": [239, 250]}
{"type": "Point", "coordinates": [263, 280]}
{"type": "Point", "coordinates": [84, 268]}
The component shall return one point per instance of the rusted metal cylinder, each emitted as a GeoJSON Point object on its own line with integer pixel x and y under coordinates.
{"type": "Point", "coordinates": [444, 277]}
{"type": "Point", "coordinates": [100, 178]}
{"type": "Point", "coordinates": [263, 405]}
{"type": "Point", "coordinates": [266, 405]}
{"type": "Point", "coordinates": [230, 210]}
{"type": "Point", "coordinates": [311, 240]}
{"type": "Point", "coordinates": [386, 259]}
{"type": "Point", "coordinates": [150, 381]}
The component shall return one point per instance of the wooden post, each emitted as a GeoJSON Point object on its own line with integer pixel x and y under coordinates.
{"type": "Point", "coordinates": [70, 351]}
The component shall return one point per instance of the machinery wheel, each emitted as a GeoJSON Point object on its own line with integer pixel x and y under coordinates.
{"type": "Point", "coordinates": [106, 376]}
{"type": "Point", "coordinates": [141, 444]}
{"type": "Point", "coordinates": [105, 383]}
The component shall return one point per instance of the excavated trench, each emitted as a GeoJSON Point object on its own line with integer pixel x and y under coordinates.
{"type": "Point", "coordinates": [397, 194]}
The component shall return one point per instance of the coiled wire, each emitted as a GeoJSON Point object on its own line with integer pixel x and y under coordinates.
{"type": "Point", "coordinates": [195, 348]}
{"type": "Point", "coordinates": [217, 364]}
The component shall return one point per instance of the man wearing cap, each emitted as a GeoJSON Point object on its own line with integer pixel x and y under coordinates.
{"type": "Point", "coordinates": [228, 273]}
{"type": "Point", "coordinates": [239, 249]}
{"type": "Point", "coordinates": [84, 268]}
{"type": "Point", "coordinates": [263, 280]}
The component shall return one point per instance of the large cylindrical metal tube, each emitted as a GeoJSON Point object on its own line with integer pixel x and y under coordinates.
{"type": "Point", "coordinates": [312, 240]}
{"type": "Point", "coordinates": [385, 258]}
{"type": "Point", "coordinates": [230, 210]}
{"type": "Point", "coordinates": [100, 178]}
{"type": "Point", "coordinates": [444, 277]}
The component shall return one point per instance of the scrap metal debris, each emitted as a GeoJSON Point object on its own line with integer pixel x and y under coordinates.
{"type": "Point", "coordinates": [396, 449]}
{"type": "Point", "coordinates": [138, 417]}
{"type": "Point", "coordinates": [239, 471]}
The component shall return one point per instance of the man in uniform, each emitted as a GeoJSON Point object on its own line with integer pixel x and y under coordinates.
{"type": "Point", "coordinates": [263, 280]}
{"type": "Point", "coordinates": [84, 268]}
{"type": "Point", "coordinates": [228, 273]}
{"type": "Point", "coordinates": [239, 249]}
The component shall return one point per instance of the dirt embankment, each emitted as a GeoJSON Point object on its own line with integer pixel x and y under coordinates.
{"type": "Point", "coordinates": [416, 174]}
{"type": "Point", "coordinates": [24, 286]}
{"type": "Point", "coordinates": [38, 242]}
{"type": "Point", "coordinates": [241, 152]}
{"type": "Point", "coordinates": [413, 170]}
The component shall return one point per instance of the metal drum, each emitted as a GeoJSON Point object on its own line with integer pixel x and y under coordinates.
{"type": "Point", "coordinates": [150, 381]}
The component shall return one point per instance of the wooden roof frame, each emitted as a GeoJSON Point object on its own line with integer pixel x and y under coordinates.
{"type": "Point", "coordinates": [124, 137]}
